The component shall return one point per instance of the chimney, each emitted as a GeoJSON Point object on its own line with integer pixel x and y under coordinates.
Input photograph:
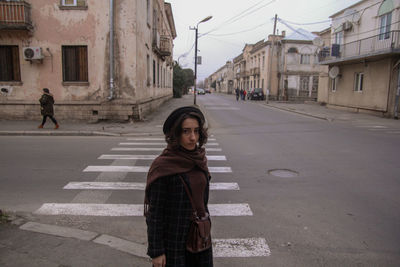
{"type": "Point", "coordinates": [283, 33]}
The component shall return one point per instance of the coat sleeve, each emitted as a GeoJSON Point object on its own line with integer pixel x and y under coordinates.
{"type": "Point", "coordinates": [155, 218]}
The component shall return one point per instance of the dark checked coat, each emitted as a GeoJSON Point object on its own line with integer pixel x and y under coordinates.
{"type": "Point", "coordinates": [46, 105]}
{"type": "Point", "coordinates": [168, 222]}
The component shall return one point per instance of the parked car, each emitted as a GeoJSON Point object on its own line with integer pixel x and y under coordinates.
{"type": "Point", "coordinates": [257, 94]}
{"type": "Point", "coordinates": [208, 91]}
{"type": "Point", "coordinates": [200, 91]}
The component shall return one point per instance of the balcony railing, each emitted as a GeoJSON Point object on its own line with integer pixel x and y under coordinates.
{"type": "Point", "coordinates": [165, 46]}
{"type": "Point", "coordinates": [375, 45]}
{"type": "Point", "coordinates": [244, 73]}
{"type": "Point", "coordinates": [15, 15]}
{"type": "Point", "coordinates": [255, 71]}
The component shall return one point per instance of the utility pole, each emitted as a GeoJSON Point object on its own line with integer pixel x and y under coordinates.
{"type": "Point", "coordinates": [270, 60]}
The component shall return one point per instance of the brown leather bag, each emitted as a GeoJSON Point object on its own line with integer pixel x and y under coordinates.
{"type": "Point", "coordinates": [199, 235]}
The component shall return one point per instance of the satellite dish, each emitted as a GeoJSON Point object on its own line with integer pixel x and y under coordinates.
{"type": "Point", "coordinates": [318, 41]}
{"type": "Point", "coordinates": [356, 17]}
{"type": "Point", "coordinates": [334, 72]}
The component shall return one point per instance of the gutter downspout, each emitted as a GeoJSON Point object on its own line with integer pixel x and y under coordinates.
{"type": "Point", "coordinates": [111, 96]}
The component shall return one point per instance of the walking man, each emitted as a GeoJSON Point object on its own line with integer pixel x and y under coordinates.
{"type": "Point", "coordinates": [46, 108]}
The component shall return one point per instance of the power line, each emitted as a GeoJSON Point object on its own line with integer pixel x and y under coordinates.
{"type": "Point", "coordinates": [233, 33]}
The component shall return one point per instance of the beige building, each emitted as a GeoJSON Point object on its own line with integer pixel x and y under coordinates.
{"type": "Point", "coordinates": [223, 78]}
{"type": "Point", "coordinates": [299, 70]}
{"type": "Point", "coordinates": [100, 59]}
{"type": "Point", "coordinates": [364, 59]}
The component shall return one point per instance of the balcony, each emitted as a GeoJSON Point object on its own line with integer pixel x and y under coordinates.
{"type": "Point", "coordinates": [244, 73]}
{"type": "Point", "coordinates": [255, 71]}
{"type": "Point", "coordinates": [161, 45]}
{"type": "Point", "coordinates": [377, 46]}
{"type": "Point", "coordinates": [15, 16]}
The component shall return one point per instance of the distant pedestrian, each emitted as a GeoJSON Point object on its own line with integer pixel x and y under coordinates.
{"type": "Point", "coordinates": [241, 94]}
{"type": "Point", "coordinates": [237, 94]}
{"type": "Point", "coordinates": [244, 95]}
{"type": "Point", "coordinates": [177, 193]}
{"type": "Point", "coordinates": [46, 108]}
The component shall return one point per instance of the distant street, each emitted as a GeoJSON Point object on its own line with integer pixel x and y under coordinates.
{"type": "Point", "coordinates": [290, 190]}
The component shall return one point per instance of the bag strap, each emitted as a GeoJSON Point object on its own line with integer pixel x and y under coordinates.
{"type": "Point", "coordinates": [189, 195]}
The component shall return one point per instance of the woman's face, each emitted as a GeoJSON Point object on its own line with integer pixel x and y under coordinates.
{"type": "Point", "coordinates": [190, 134]}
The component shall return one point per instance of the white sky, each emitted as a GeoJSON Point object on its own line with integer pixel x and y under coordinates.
{"type": "Point", "coordinates": [254, 25]}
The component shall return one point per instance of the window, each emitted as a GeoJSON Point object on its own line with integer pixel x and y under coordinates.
{"type": "Point", "coordinates": [69, 2]}
{"type": "Point", "coordinates": [263, 62]}
{"type": "Point", "coordinates": [292, 50]}
{"type": "Point", "coordinates": [148, 11]}
{"type": "Point", "coordinates": [9, 64]}
{"type": "Point", "coordinates": [334, 84]}
{"type": "Point", "coordinates": [304, 83]}
{"type": "Point", "coordinates": [154, 73]}
{"type": "Point", "coordinates": [359, 81]}
{"type": "Point", "coordinates": [75, 63]}
{"type": "Point", "coordinates": [148, 79]}
{"type": "Point", "coordinates": [158, 74]}
{"type": "Point", "coordinates": [305, 59]}
{"type": "Point", "coordinates": [339, 38]}
{"type": "Point", "coordinates": [384, 30]}
{"type": "Point", "coordinates": [315, 83]}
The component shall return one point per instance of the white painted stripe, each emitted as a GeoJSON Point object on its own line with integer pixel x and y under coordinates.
{"type": "Point", "coordinates": [154, 144]}
{"type": "Point", "coordinates": [134, 186]}
{"type": "Point", "coordinates": [394, 132]}
{"type": "Point", "coordinates": [153, 149]}
{"type": "Point", "coordinates": [112, 168]}
{"type": "Point", "coordinates": [240, 248]}
{"type": "Point", "coordinates": [150, 157]}
{"type": "Point", "coordinates": [58, 231]}
{"type": "Point", "coordinates": [90, 209]}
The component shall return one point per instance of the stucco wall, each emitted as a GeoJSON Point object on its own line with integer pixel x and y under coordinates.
{"type": "Point", "coordinates": [376, 85]}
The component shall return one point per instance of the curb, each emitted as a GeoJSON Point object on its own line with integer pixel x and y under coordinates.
{"type": "Point", "coordinates": [58, 133]}
{"type": "Point", "coordinates": [321, 117]}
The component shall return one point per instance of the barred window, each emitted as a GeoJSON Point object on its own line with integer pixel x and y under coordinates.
{"type": "Point", "coordinates": [315, 83]}
{"type": "Point", "coordinates": [75, 63]}
{"type": "Point", "coordinates": [304, 83]}
{"type": "Point", "coordinates": [9, 63]}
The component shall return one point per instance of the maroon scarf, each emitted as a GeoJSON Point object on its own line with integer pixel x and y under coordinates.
{"type": "Point", "coordinates": [173, 161]}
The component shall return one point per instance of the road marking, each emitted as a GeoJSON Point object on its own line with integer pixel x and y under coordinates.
{"type": "Point", "coordinates": [393, 132]}
{"type": "Point", "coordinates": [155, 139]}
{"type": "Point", "coordinates": [92, 209]}
{"type": "Point", "coordinates": [111, 168]}
{"type": "Point", "coordinates": [154, 144]}
{"type": "Point", "coordinates": [58, 231]}
{"type": "Point", "coordinates": [150, 157]}
{"type": "Point", "coordinates": [153, 149]}
{"type": "Point", "coordinates": [240, 248]}
{"type": "Point", "coordinates": [134, 186]}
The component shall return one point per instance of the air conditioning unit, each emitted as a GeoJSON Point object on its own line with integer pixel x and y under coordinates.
{"type": "Point", "coordinates": [347, 26]}
{"type": "Point", "coordinates": [33, 53]}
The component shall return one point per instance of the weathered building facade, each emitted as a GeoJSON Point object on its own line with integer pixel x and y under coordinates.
{"type": "Point", "coordinates": [364, 59]}
{"type": "Point", "coordinates": [100, 59]}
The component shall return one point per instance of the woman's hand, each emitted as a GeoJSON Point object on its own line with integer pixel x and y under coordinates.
{"type": "Point", "coordinates": [160, 261]}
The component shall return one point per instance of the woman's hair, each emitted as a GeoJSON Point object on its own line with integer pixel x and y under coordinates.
{"type": "Point", "coordinates": [173, 136]}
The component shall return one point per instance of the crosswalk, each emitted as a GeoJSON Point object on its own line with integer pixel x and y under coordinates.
{"type": "Point", "coordinates": [111, 179]}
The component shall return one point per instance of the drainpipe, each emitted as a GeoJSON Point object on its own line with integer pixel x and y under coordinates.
{"type": "Point", "coordinates": [111, 96]}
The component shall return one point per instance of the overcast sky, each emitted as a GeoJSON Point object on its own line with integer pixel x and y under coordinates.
{"type": "Point", "coordinates": [237, 22]}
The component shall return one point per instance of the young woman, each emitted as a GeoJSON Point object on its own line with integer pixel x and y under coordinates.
{"type": "Point", "coordinates": [168, 208]}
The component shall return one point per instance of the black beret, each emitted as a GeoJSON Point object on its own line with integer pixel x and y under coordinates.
{"type": "Point", "coordinates": [177, 113]}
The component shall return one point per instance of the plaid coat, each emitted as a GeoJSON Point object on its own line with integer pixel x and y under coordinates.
{"type": "Point", "coordinates": [168, 222]}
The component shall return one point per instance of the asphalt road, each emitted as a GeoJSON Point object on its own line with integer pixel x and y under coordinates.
{"type": "Point", "coordinates": [341, 208]}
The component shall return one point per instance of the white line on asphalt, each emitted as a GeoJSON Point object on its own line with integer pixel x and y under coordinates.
{"type": "Point", "coordinates": [240, 248]}
{"type": "Point", "coordinates": [91, 209]}
{"type": "Point", "coordinates": [112, 168]}
{"type": "Point", "coordinates": [154, 144]}
{"type": "Point", "coordinates": [150, 157]}
{"type": "Point", "coordinates": [134, 186]}
{"type": "Point", "coordinates": [393, 132]}
{"type": "Point", "coordinates": [152, 149]}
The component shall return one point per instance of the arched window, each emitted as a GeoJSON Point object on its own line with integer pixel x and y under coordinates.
{"type": "Point", "coordinates": [385, 19]}
{"type": "Point", "coordinates": [293, 50]}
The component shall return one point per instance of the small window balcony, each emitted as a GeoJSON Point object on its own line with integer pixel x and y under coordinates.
{"type": "Point", "coordinates": [15, 15]}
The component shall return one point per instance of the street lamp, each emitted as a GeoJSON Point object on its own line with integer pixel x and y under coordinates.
{"type": "Point", "coordinates": [195, 58]}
